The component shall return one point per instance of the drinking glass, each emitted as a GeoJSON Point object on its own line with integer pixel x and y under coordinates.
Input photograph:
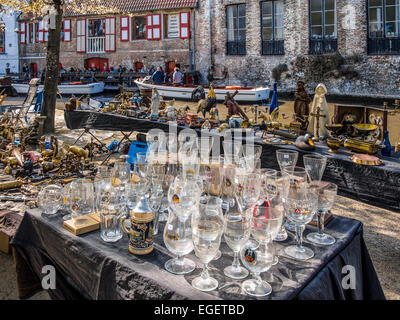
{"type": "Point", "coordinates": [205, 147]}
{"type": "Point", "coordinates": [110, 211]}
{"type": "Point", "coordinates": [236, 234]}
{"type": "Point", "coordinates": [66, 201]}
{"type": "Point", "coordinates": [300, 206]}
{"type": "Point", "coordinates": [81, 200]}
{"type": "Point", "coordinates": [121, 176]}
{"type": "Point", "coordinates": [252, 157]}
{"type": "Point", "coordinates": [296, 175]}
{"type": "Point", "coordinates": [266, 223]}
{"type": "Point", "coordinates": [286, 158]}
{"type": "Point", "coordinates": [178, 240]}
{"type": "Point", "coordinates": [50, 199]}
{"type": "Point", "coordinates": [142, 163]}
{"type": "Point", "coordinates": [155, 199]}
{"type": "Point", "coordinates": [326, 198]}
{"type": "Point", "coordinates": [315, 166]}
{"type": "Point", "coordinates": [232, 151]}
{"type": "Point", "coordinates": [213, 179]}
{"type": "Point", "coordinates": [207, 229]}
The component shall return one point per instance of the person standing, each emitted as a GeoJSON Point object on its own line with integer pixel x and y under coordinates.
{"type": "Point", "coordinates": [177, 77]}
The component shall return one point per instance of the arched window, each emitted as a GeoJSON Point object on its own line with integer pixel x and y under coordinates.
{"type": "Point", "coordinates": [323, 26]}
{"type": "Point", "coordinates": [384, 26]}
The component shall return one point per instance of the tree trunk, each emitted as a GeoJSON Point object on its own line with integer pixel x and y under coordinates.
{"type": "Point", "coordinates": [51, 79]}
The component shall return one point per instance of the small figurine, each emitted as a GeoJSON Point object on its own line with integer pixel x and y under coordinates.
{"type": "Point", "coordinates": [319, 114]}
{"type": "Point", "coordinates": [206, 125]}
{"type": "Point", "coordinates": [170, 112]}
{"type": "Point", "coordinates": [210, 102]}
{"type": "Point", "coordinates": [214, 115]}
{"type": "Point", "coordinates": [235, 113]}
{"type": "Point", "coordinates": [301, 105]}
{"type": "Point", "coordinates": [155, 103]}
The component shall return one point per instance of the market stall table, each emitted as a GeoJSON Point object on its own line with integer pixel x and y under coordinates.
{"type": "Point", "coordinates": [87, 267]}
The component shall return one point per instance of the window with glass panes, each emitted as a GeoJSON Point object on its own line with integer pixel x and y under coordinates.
{"type": "Point", "coordinates": [236, 27]}
{"type": "Point", "coordinates": [272, 27]}
{"type": "Point", "coordinates": [383, 26]}
{"type": "Point", "coordinates": [323, 26]}
{"type": "Point", "coordinates": [2, 38]}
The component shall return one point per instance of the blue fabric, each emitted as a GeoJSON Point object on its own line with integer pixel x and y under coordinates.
{"type": "Point", "coordinates": [39, 101]}
{"type": "Point", "coordinates": [135, 148]}
{"type": "Point", "coordinates": [274, 100]}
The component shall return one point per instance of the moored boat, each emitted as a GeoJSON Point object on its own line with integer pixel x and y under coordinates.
{"type": "Point", "coordinates": [66, 88]}
{"type": "Point", "coordinates": [249, 94]}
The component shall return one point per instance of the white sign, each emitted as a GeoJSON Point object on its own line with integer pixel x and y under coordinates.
{"type": "Point", "coordinates": [173, 26]}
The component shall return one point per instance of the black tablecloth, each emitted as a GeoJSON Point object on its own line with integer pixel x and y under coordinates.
{"type": "Point", "coordinates": [87, 267]}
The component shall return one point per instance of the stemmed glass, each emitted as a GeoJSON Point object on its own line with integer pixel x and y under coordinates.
{"type": "Point", "coordinates": [300, 206]}
{"type": "Point", "coordinates": [232, 151]}
{"type": "Point", "coordinates": [296, 175]}
{"type": "Point", "coordinates": [236, 234]}
{"type": "Point", "coordinates": [207, 229]}
{"type": "Point", "coordinates": [121, 176]}
{"type": "Point", "coordinates": [287, 158]}
{"type": "Point", "coordinates": [142, 163]}
{"type": "Point", "coordinates": [326, 198]}
{"type": "Point", "coordinates": [315, 166]}
{"type": "Point", "coordinates": [184, 198]}
{"type": "Point", "coordinates": [266, 223]}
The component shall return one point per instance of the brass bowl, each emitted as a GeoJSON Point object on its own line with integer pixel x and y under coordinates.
{"type": "Point", "coordinates": [365, 128]}
{"type": "Point", "coordinates": [333, 144]}
{"type": "Point", "coordinates": [359, 146]}
{"type": "Point", "coordinates": [334, 127]}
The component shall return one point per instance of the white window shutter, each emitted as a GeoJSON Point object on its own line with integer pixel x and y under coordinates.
{"type": "Point", "coordinates": [110, 34]}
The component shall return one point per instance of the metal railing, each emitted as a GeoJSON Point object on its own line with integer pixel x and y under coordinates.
{"type": "Point", "coordinates": [323, 46]}
{"type": "Point", "coordinates": [385, 46]}
{"type": "Point", "coordinates": [273, 47]}
{"type": "Point", "coordinates": [95, 45]}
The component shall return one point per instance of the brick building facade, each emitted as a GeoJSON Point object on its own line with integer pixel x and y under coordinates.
{"type": "Point", "coordinates": [352, 46]}
{"type": "Point", "coordinates": [357, 60]}
{"type": "Point", "coordinates": [143, 34]}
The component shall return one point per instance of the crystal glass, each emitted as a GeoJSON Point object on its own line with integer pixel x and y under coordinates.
{"type": "Point", "coordinates": [300, 206]}
{"type": "Point", "coordinates": [315, 166]}
{"type": "Point", "coordinates": [205, 147]}
{"type": "Point", "coordinates": [213, 179]}
{"type": "Point", "coordinates": [142, 163]}
{"type": "Point", "coordinates": [326, 198]}
{"type": "Point", "coordinates": [296, 175]}
{"type": "Point", "coordinates": [252, 157]}
{"type": "Point", "coordinates": [178, 240]}
{"type": "Point", "coordinates": [121, 176]}
{"type": "Point", "coordinates": [232, 151]}
{"type": "Point", "coordinates": [66, 201]}
{"type": "Point", "coordinates": [111, 213]}
{"type": "Point", "coordinates": [81, 200]}
{"type": "Point", "coordinates": [207, 230]}
{"type": "Point", "coordinates": [266, 222]}
{"type": "Point", "coordinates": [155, 199]}
{"type": "Point", "coordinates": [50, 199]}
{"type": "Point", "coordinates": [236, 234]}
{"type": "Point", "coordinates": [190, 166]}
{"type": "Point", "coordinates": [287, 158]}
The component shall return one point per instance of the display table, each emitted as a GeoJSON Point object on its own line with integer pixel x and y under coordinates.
{"type": "Point", "coordinates": [86, 267]}
{"type": "Point", "coordinates": [376, 185]}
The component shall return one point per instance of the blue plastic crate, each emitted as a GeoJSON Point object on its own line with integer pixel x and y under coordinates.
{"type": "Point", "coordinates": [134, 149]}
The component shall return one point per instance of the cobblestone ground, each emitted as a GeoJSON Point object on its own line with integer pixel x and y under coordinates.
{"type": "Point", "coordinates": [381, 234]}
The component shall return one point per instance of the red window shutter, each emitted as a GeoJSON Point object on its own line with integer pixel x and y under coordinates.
{"type": "Point", "coordinates": [22, 32]}
{"type": "Point", "coordinates": [67, 30]}
{"type": "Point", "coordinates": [153, 26]}
{"type": "Point", "coordinates": [124, 28]}
{"type": "Point", "coordinates": [81, 35]}
{"type": "Point", "coordinates": [149, 27]}
{"type": "Point", "coordinates": [184, 25]}
{"type": "Point", "coordinates": [110, 34]}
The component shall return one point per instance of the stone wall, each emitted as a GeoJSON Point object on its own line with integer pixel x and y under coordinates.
{"type": "Point", "coordinates": [349, 72]}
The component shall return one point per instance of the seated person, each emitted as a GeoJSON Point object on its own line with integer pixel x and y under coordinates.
{"type": "Point", "coordinates": [177, 77]}
{"type": "Point", "coordinates": [158, 76]}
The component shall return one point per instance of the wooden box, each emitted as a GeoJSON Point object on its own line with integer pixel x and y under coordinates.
{"type": "Point", "coordinates": [91, 223]}
{"type": "Point", "coordinates": [363, 114]}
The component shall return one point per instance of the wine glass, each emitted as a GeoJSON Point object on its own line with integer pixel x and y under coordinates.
{"type": "Point", "coordinates": [296, 175]}
{"type": "Point", "coordinates": [326, 198]}
{"type": "Point", "coordinates": [236, 234]}
{"type": "Point", "coordinates": [315, 166]}
{"type": "Point", "coordinates": [50, 199]}
{"type": "Point", "coordinates": [207, 229]}
{"type": "Point", "coordinates": [300, 205]}
{"type": "Point", "coordinates": [142, 163]}
{"type": "Point", "coordinates": [121, 176]}
{"type": "Point", "coordinates": [178, 240]}
{"type": "Point", "coordinates": [266, 223]}
{"type": "Point", "coordinates": [286, 158]}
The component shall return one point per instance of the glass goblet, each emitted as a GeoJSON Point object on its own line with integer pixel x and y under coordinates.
{"type": "Point", "coordinates": [207, 230]}
{"type": "Point", "coordinates": [300, 205]}
{"type": "Point", "coordinates": [326, 198]}
{"type": "Point", "coordinates": [315, 166]}
{"type": "Point", "coordinates": [236, 234]}
{"type": "Point", "coordinates": [286, 158]}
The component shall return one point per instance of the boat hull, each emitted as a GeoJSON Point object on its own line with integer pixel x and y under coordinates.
{"type": "Point", "coordinates": [249, 95]}
{"type": "Point", "coordinates": [89, 88]}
